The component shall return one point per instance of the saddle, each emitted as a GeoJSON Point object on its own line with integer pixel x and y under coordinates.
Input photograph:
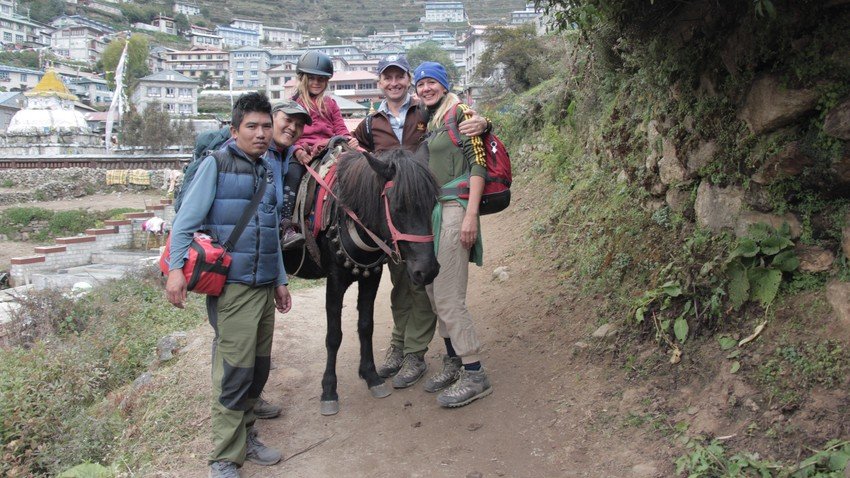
{"type": "Point", "coordinates": [314, 205]}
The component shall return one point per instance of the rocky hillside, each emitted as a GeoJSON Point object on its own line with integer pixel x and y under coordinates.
{"type": "Point", "coordinates": [700, 164]}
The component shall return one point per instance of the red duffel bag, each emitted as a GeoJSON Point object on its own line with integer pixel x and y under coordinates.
{"type": "Point", "coordinates": [206, 267]}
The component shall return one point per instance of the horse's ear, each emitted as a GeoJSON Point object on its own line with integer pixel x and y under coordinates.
{"type": "Point", "coordinates": [422, 152]}
{"type": "Point", "coordinates": [384, 169]}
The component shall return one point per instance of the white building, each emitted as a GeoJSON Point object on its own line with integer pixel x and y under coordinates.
{"type": "Point", "coordinates": [474, 45]}
{"type": "Point", "coordinates": [187, 8]}
{"type": "Point", "coordinates": [164, 24]}
{"type": "Point", "coordinates": [193, 63]}
{"type": "Point", "coordinates": [282, 36]}
{"type": "Point", "coordinates": [93, 90]}
{"type": "Point", "coordinates": [529, 15]}
{"type": "Point", "coordinates": [248, 66]}
{"type": "Point", "coordinates": [277, 78]}
{"type": "Point", "coordinates": [176, 94]}
{"type": "Point", "coordinates": [18, 30]}
{"type": "Point", "coordinates": [349, 52]}
{"type": "Point", "coordinates": [244, 24]}
{"type": "Point", "coordinates": [79, 38]}
{"type": "Point", "coordinates": [205, 40]}
{"type": "Point", "coordinates": [444, 12]}
{"type": "Point", "coordinates": [19, 79]}
{"type": "Point", "coordinates": [237, 37]}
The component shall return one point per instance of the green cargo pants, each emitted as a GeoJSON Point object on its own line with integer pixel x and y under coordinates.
{"type": "Point", "coordinates": [414, 321]}
{"type": "Point", "coordinates": [243, 320]}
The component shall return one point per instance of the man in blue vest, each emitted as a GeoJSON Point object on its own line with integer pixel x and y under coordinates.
{"type": "Point", "coordinates": [243, 315]}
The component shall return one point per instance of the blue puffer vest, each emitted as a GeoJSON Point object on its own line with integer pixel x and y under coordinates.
{"type": "Point", "coordinates": [255, 253]}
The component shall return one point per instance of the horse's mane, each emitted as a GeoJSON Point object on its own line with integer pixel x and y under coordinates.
{"type": "Point", "coordinates": [359, 186]}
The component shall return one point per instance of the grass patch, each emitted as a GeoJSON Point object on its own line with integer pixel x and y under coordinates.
{"type": "Point", "coordinates": [793, 369]}
{"type": "Point", "coordinates": [58, 223]}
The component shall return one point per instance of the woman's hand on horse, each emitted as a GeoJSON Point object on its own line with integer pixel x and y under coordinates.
{"type": "Point", "coordinates": [175, 288]}
{"type": "Point", "coordinates": [282, 299]}
{"type": "Point", "coordinates": [353, 142]}
{"type": "Point", "coordinates": [474, 125]}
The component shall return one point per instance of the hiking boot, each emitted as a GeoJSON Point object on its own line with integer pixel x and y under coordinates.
{"type": "Point", "coordinates": [224, 469]}
{"type": "Point", "coordinates": [412, 369]}
{"type": "Point", "coordinates": [291, 239]}
{"type": "Point", "coordinates": [447, 376]}
{"type": "Point", "coordinates": [391, 363]}
{"type": "Point", "coordinates": [264, 409]}
{"type": "Point", "coordinates": [470, 386]}
{"type": "Point", "coordinates": [259, 453]}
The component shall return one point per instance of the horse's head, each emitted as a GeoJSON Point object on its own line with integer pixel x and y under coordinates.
{"type": "Point", "coordinates": [411, 201]}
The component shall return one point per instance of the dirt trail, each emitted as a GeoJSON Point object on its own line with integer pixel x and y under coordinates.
{"type": "Point", "coordinates": [552, 414]}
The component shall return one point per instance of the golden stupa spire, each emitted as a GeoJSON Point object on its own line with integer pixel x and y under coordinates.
{"type": "Point", "coordinates": [51, 85]}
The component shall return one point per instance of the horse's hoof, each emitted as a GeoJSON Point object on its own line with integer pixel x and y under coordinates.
{"type": "Point", "coordinates": [330, 407]}
{"type": "Point", "coordinates": [380, 391]}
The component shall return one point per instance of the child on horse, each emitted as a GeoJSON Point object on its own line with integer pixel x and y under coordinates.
{"type": "Point", "coordinates": [314, 70]}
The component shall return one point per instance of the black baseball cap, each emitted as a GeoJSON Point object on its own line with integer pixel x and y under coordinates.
{"type": "Point", "coordinates": [394, 60]}
{"type": "Point", "coordinates": [291, 107]}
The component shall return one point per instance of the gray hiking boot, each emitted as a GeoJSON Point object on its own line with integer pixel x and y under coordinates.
{"type": "Point", "coordinates": [259, 453]}
{"type": "Point", "coordinates": [264, 409]}
{"type": "Point", "coordinates": [445, 377]}
{"type": "Point", "coordinates": [412, 369]}
{"type": "Point", "coordinates": [224, 469]}
{"type": "Point", "coordinates": [470, 386]}
{"type": "Point", "coordinates": [391, 363]}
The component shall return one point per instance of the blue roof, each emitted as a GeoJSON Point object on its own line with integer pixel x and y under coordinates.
{"type": "Point", "coordinates": [4, 97]}
{"type": "Point", "coordinates": [15, 69]}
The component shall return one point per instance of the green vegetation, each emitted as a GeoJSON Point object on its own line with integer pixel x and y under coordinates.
{"type": "Point", "coordinates": [793, 369]}
{"type": "Point", "coordinates": [57, 223]}
{"type": "Point", "coordinates": [136, 65]}
{"type": "Point", "coordinates": [61, 401]}
{"type": "Point", "coordinates": [431, 51]}
{"type": "Point", "coordinates": [711, 460]}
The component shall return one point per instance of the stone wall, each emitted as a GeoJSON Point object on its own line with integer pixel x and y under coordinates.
{"type": "Point", "coordinates": [48, 184]}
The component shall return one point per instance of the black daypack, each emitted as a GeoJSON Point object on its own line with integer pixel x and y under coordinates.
{"type": "Point", "coordinates": [207, 143]}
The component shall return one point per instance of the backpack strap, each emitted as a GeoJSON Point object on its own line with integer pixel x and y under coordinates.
{"type": "Point", "coordinates": [369, 133]}
{"type": "Point", "coordinates": [249, 211]}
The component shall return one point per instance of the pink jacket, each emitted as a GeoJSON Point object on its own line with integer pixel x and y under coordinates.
{"type": "Point", "coordinates": [324, 127]}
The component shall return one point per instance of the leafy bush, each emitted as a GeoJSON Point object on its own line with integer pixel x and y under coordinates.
{"type": "Point", "coordinates": [49, 420]}
{"type": "Point", "coordinates": [755, 267]}
{"type": "Point", "coordinates": [711, 460]}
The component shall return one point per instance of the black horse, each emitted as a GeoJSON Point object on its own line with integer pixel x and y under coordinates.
{"type": "Point", "coordinates": [381, 211]}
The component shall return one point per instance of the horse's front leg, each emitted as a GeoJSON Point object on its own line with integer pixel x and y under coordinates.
{"type": "Point", "coordinates": [334, 293]}
{"type": "Point", "coordinates": [367, 291]}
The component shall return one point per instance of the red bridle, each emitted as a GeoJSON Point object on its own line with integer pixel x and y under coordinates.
{"type": "Point", "coordinates": [395, 234]}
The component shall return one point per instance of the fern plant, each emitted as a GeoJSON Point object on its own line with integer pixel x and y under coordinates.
{"type": "Point", "coordinates": [755, 267]}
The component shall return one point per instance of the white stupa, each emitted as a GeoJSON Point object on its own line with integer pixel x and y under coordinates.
{"type": "Point", "coordinates": [49, 109]}
{"type": "Point", "coordinates": [49, 124]}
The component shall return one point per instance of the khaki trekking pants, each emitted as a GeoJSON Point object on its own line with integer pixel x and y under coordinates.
{"type": "Point", "coordinates": [243, 320]}
{"type": "Point", "coordinates": [448, 292]}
